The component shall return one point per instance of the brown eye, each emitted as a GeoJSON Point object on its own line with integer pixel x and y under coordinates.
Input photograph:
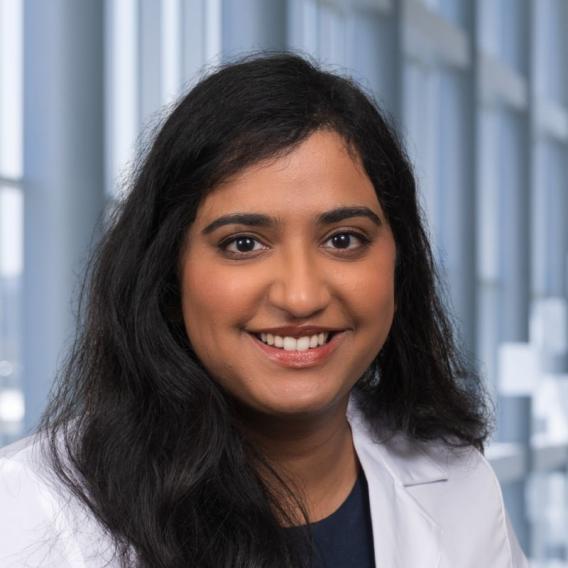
{"type": "Point", "coordinates": [239, 245]}
{"type": "Point", "coordinates": [244, 244]}
{"type": "Point", "coordinates": [348, 240]}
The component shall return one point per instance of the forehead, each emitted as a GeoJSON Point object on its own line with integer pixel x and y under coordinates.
{"type": "Point", "coordinates": [316, 175]}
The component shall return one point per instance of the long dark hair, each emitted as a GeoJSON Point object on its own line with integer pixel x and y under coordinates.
{"type": "Point", "coordinates": [138, 429]}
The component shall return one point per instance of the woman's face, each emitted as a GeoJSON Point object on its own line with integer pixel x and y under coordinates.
{"type": "Point", "coordinates": [299, 258]}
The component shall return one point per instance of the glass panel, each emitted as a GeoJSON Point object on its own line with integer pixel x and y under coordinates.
{"type": "Point", "coordinates": [513, 46]}
{"type": "Point", "coordinates": [171, 44]}
{"type": "Point", "coordinates": [548, 505]}
{"type": "Point", "coordinates": [11, 89]}
{"type": "Point", "coordinates": [11, 254]}
{"type": "Point", "coordinates": [550, 202]}
{"type": "Point", "coordinates": [503, 27]}
{"type": "Point", "coordinates": [421, 112]}
{"type": "Point", "coordinates": [331, 28]}
{"type": "Point", "coordinates": [11, 260]}
{"type": "Point", "coordinates": [488, 18]}
{"type": "Point", "coordinates": [551, 49]}
{"type": "Point", "coordinates": [122, 115]}
{"type": "Point", "coordinates": [455, 11]}
{"type": "Point", "coordinates": [302, 33]}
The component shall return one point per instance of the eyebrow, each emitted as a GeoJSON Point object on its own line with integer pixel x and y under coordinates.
{"type": "Point", "coordinates": [261, 220]}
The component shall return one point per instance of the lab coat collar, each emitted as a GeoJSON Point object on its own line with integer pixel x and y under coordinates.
{"type": "Point", "coordinates": [404, 534]}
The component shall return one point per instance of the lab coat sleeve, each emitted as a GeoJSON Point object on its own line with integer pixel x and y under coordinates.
{"type": "Point", "coordinates": [33, 531]}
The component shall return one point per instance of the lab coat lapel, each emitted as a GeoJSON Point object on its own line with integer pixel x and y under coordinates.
{"type": "Point", "coordinates": [404, 535]}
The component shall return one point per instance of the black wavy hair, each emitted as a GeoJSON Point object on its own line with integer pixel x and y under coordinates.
{"type": "Point", "coordinates": [138, 429]}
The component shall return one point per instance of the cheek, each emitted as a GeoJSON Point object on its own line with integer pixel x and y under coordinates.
{"type": "Point", "coordinates": [370, 294]}
{"type": "Point", "coordinates": [374, 300]}
{"type": "Point", "coordinates": [208, 291]}
{"type": "Point", "coordinates": [211, 300]}
{"type": "Point", "coordinates": [212, 305]}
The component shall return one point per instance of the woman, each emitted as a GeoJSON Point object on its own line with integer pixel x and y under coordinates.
{"type": "Point", "coordinates": [265, 375]}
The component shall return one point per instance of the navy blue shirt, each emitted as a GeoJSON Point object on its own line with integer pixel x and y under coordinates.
{"type": "Point", "coordinates": [345, 538]}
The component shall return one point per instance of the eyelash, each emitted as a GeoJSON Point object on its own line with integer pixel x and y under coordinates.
{"type": "Point", "coordinates": [365, 241]}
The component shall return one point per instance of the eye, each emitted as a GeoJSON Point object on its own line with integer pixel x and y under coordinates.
{"type": "Point", "coordinates": [345, 240]}
{"type": "Point", "coordinates": [240, 245]}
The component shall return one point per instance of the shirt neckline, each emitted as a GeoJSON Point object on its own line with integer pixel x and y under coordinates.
{"type": "Point", "coordinates": [331, 517]}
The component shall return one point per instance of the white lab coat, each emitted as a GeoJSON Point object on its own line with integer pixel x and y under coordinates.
{"type": "Point", "coordinates": [430, 508]}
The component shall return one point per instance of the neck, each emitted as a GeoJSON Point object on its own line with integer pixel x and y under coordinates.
{"type": "Point", "coordinates": [315, 453]}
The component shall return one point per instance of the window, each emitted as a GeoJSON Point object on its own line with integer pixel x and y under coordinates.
{"type": "Point", "coordinates": [11, 220]}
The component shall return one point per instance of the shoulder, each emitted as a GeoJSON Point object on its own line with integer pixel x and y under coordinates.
{"type": "Point", "coordinates": [23, 479]}
{"type": "Point", "coordinates": [415, 463]}
{"type": "Point", "coordinates": [454, 488]}
{"type": "Point", "coordinates": [41, 523]}
{"type": "Point", "coordinates": [28, 518]}
{"type": "Point", "coordinates": [468, 505]}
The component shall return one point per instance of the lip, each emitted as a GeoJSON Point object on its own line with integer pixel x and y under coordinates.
{"type": "Point", "coordinates": [300, 359]}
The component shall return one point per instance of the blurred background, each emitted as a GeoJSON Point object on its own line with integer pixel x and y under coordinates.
{"type": "Point", "coordinates": [478, 90]}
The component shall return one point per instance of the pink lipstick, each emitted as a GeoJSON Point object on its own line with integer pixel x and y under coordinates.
{"type": "Point", "coordinates": [300, 359]}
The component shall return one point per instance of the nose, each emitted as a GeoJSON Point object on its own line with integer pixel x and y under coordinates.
{"type": "Point", "coordinates": [300, 285]}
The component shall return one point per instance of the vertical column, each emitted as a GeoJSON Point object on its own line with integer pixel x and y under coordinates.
{"type": "Point", "coordinates": [123, 103]}
{"type": "Point", "coordinates": [457, 200]}
{"type": "Point", "coordinates": [302, 32]}
{"type": "Point", "coordinates": [171, 31]}
{"type": "Point", "coordinates": [201, 38]}
{"type": "Point", "coordinates": [515, 173]}
{"type": "Point", "coordinates": [515, 427]}
{"type": "Point", "coordinates": [149, 54]}
{"type": "Point", "coordinates": [11, 215]}
{"type": "Point", "coordinates": [467, 275]}
{"type": "Point", "coordinates": [487, 237]}
{"type": "Point", "coordinates": [63, 176]}
{"type": "Point", "coordinates": [440, 106]}
{"type": "Point", "coordinates": [252, 25]}
{"type": "Point", "coordinates": [374, 55]}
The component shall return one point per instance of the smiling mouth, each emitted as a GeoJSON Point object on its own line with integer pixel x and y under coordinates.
{"type": "Point", "coordinates": [288, 343]}
{"type": "Point", "coordinates": [300, 356]}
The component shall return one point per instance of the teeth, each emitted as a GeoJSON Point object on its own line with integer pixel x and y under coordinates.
{"type": "Point", "coordinates": [295, 344]}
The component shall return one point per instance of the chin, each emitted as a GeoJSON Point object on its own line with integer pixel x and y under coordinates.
{"type": "Point", "coordinates": [296, 405]}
